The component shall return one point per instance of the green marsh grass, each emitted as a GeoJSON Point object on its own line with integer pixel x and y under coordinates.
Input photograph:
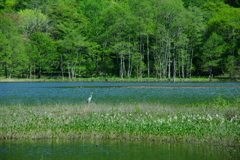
{"type": "Point", "coordinates": [116, 79]}
{"type": "Point", "coordinates": [203, 123]}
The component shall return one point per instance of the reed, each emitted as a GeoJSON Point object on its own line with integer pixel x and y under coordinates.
{"type": "Point", "coordinates": [117, 79]}
{"type": "Point", "coordinates": [210, 123]}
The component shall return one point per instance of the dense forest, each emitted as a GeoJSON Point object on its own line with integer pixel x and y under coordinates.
{"type": "Point", "coordinates": [121, 38]}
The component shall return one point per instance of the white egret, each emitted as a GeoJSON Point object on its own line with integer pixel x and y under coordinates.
{"type": "Point", "coordinates": [89, 99]}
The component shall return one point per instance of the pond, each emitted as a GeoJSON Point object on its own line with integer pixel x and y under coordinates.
{"type": "Point", "coordinates": [51, 150]}
{"type": "Point", "coordinates": [38, 93]}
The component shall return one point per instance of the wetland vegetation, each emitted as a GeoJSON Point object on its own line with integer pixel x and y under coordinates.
{"type": "Point", "coordinates": [180, 112]}
{"type": "Point", "coordinates": [117, 79]}
{"type": "Point", "coordinates": [125, 120]}
{"type": "Point", "coordinates": [217, 122]}
{"type": "Point", "coordinates": [89, 42]}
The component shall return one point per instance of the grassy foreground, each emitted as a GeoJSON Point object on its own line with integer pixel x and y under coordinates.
{"type": "Point", "coordinates": [213, 123]}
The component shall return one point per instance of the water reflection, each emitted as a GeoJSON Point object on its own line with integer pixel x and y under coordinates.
{"type": "Point", "coordinates": [52, 150]}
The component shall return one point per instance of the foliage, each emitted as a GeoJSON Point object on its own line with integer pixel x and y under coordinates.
{"type": "Point", "coordinates": [13, 59]}
{"type": "Point", "coordinates": [202, 124]}
{"type": "Point", "coordinates": [163, 39]}
{"type": "Point", "coordinates": [198, 3]}
{"type": "Point", "coordinates": [32, 21]}
{"type": "Point", "coordinates": [212, 50]}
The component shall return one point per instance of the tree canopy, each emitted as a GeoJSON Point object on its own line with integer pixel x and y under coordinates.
{"type": "Point", "coordinates": [124, 38]}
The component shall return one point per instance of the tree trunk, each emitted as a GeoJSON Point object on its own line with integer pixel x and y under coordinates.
{"type": "Point", "coordinates": [69, 72]}
{"type": "Point", "coordinates": [121, 67]}
{"type": "Point", "coordinates": [148, 66]}
{"type": "Point", "coordinates": [129, 59]}
{"type": "Point", "coordinates": [174, 69]}
{"type": "Point", "coordinates": [40, 72]}
{"type": "Point", "coordinates": [169, 58]}
{"type": "Point", "coordinates": [30, 72]}
{"type": "Point", "coordinates": [210, 74]}
{"type": "Point", "coordinates": [183, 63]}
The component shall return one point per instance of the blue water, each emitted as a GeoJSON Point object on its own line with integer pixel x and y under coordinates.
{"type": "Point", "coordinates": [37, 93]}
{"type": "Point", "coordinates": [69, 93]}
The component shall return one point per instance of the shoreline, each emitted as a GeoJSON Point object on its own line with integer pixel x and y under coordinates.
{"type": "Point", "coordinates": [104, 79]}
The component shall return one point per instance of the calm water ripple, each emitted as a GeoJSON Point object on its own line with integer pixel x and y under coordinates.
{"type": "Point", "coordinates": [77, 93]}
{"type": "Point", "coordinates": [51, 150]}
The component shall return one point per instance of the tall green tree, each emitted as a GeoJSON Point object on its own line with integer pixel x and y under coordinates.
{"type": "Point", "coordinates": [212, 51]}
{"type": "Point", "coordinates": [43, 53]}
{"type": "Point", "coordinates": [195, 27]}
{"type": "Point", "coordinates": [13, 59]}
{"type": "Point", "coordinates": [69, 30]}
{"type": "Point", "coordinates": [226, 23]}
{"type": "Point", "coordinates": [33, 21]}
{"type": "Point", "coordinates": [168, 29]}
{"type": "Point", "coordinates": [125, 38]}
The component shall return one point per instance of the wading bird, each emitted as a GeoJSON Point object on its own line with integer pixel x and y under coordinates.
{"type": "Point", "coordinates": [89, 99]}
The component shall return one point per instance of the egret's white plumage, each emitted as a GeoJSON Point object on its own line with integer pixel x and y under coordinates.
{"type": "Point", "coordinates": [90, 98]}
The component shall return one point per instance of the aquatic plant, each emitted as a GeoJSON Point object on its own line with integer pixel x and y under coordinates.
{"type": "Point", "coordinates": [133, 122]}
{"type": "Point", "coordinates": [116, 79]}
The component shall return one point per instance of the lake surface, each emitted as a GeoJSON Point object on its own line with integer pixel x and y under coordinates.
{"type": "Point", "coordinates": [52, 150]}
{"type": "Point", "coordinates": [38, 93]}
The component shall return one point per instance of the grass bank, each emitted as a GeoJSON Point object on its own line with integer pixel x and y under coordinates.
{"type": "Point", "coordinates": [211, 123]}
{"type": "Point", "coordinates": [116, 79]}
